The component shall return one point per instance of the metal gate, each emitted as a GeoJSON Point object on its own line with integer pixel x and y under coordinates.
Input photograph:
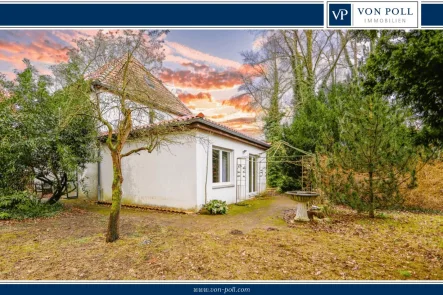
{"type": "Point", "coordinates": [240, 183]}
{"type": "Point", "coordinates": [250, 177]}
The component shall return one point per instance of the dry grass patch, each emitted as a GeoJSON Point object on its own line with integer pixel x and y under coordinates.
{"type": "Point", "coordinates": [195, 247]}
{"type": "Point", "coordinates": [429, 191]}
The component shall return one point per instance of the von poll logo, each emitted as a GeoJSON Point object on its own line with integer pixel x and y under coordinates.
{"type": "Point", "coordinates": [340, 15]}
{"type": "Point", "coordinates": [373, 14]}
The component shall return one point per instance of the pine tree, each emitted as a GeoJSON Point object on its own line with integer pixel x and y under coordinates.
{"type": "Point", "coordinates": [376, 144]}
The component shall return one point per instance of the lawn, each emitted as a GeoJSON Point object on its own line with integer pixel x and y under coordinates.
{"type": "Point", "coordinates": [252, 242]}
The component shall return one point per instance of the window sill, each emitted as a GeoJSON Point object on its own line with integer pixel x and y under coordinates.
{"type": "Point", "coordinates": [223, 185]}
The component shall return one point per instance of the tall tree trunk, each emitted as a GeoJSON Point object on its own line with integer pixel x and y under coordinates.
{"type": "Point", "coordinates": [371, 195]}
{"type": "Point", "coordinates": [273, 131]}
{"type": "Point", "coordinates": [309, 65]}
{"type": "Point", "coordinates": [296, 67]}
{"type": "Point", "coordinates": [295, 81]}
{"type": "Point", "coordinates": [343, 41]}
{"type": "Point", "coordinates": [114, 218]}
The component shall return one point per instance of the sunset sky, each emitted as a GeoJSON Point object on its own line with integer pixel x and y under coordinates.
{"type": "Point", "coordinates": [201, 67]}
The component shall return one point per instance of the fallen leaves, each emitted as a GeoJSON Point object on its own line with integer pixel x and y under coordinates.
{"type": "Point", "coordinates": [170, 246]}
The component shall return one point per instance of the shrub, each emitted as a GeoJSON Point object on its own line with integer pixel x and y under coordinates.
{"type": "Point", "coordinates": [4, 215]}
{"type": "Point", "coordinates": [21, 205]}
{"type": "Point", "coordinates": [217, 207]}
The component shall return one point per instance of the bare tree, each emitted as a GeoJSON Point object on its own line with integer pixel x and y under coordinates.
{"type": "Point", "coordinates": [267, 81]}
{"type": "Point", "coordinates": [314, 57]}
{"type": "Point", "coordinates": [129, 103]}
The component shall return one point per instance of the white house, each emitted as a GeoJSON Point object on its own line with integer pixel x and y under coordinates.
{"type": "Point", "coordinates": [217, 163]}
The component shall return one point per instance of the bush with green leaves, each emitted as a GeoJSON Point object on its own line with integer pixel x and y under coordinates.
{"type": "Point", "coordinates": [22, 205]}
{"type": "Point", "coordinates": [43, 135]}
{"type": "Point", "coordinates": [216, 207]}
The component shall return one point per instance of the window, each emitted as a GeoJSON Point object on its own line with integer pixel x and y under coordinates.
{"type": "Point", "coordinates": [221, 166]}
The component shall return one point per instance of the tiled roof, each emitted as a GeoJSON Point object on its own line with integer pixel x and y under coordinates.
{"type": "Point", "coordinates": [142, 86]}
{"type": "Point", "coordinates": [200, 118]}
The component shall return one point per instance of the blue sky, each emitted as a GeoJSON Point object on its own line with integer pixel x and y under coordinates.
{"type": "Point", "coordinates": [222, 43]}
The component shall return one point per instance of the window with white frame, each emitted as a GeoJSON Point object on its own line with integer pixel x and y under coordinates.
{"type": "Point", "coordinates": [221, 165]}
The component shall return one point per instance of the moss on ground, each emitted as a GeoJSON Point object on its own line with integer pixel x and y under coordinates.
{"type": "Point", "coordinates": [249, 206]}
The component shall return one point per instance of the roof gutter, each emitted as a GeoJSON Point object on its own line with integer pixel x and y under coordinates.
{"type": "Point", "coordinates": [233, 133]}
{"type": "Point", "coordinates": [207, 125]}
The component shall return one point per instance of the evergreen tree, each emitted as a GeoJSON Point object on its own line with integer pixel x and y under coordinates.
{"type": "Point", "coordinates": [374, 150]}
{"type": "Point", "coordinates": [314, 129]}
{"type": "Point", "coordinates": [409, 67]}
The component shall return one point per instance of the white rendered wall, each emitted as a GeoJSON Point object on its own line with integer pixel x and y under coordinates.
{"type": "Point", "coordinates": [179, 176]}
{"type": "Point", "coordinates": [164, 178]}
{"type": "Point", "coordinates": [88, 181]}
{"type": "Point", "coordinates": [207, 190]}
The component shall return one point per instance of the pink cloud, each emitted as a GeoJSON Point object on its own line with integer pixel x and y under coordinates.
{"type": "Point", "coordinates": [176, 58]}
{"type": "Point", "coordinates": [68, 36]}
{"type": "Point", "coordinates": [199, 72]}
{"type": "Point", "coordinates": [10, 75]}
{"type": "Point", "coordinates": [10, 47]}
{"type": "Point", "coordinates": [48, 47]}
{"type": "Point", "coordinates": [187, 98]}
{"type": "Point", "coordinates": [241, 102]}
{"type": "Point", "coordinates": [39, 48]}
{"type": "Point", "coordinates": [210, 80]}
{"type": "Point", "coordinates": [244, 124]}
{"type": "Point", "coordinates": [196, 67]}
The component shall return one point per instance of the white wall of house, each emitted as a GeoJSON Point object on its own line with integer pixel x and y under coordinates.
{"type": "Point", "coordinates": [166, 177]}
{"type": "Point", "coordinates": [226, 191]}
{"type": "Point", "coordinates": [109, 105]}
{"type": "Point", "coordinates": [89, 181]}
{"type": "Point", "coordinates": [180, 175]}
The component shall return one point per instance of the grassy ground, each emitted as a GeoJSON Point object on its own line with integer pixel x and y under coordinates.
{"type": "Point", "coordinates": [156, 245]}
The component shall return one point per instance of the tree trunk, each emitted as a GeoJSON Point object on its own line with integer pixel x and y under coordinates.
{"type": "Point", "coordinates": [60, 190]}
{"type": "Point", "coordinates": [309, 64]}
{"type": "Point", "coordinates": [371, 195]}
{"type": "Point", "coordinates": [273, 132]}
{"type": "Point", "coordinates": [297, 72]}
{"type": "Point", "coordinates": [114, 218]}
{"type": "Point", "coordinates": [353, 67]}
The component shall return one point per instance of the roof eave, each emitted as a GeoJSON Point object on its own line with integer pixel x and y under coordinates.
{"type": "Point", "coordinates": [212, 127]}
{"type": "Point", "coordinates": [234, 133]}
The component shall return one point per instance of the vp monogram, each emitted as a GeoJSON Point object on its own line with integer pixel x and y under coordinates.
{"type": "Point", "coordinates": [340, 14]}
